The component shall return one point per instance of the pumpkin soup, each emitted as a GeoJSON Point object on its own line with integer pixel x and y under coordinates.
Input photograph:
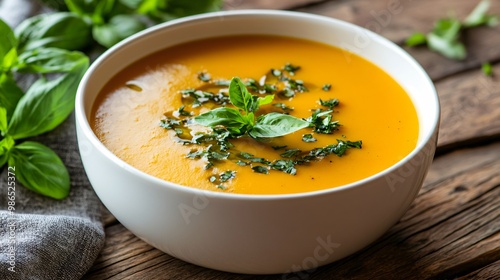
{"type": "Point", "coordinates": [256, 115]}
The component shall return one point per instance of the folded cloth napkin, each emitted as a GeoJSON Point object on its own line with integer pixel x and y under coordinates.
{"type": "Point", "coordinates": [43, 238]}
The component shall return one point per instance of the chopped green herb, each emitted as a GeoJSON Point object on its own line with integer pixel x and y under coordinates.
{"type": "Point", "coordinates": [204, 77]}
{"type": "Point", "coordinates": [227, 175]}
{"type": "Point", "coordinates": [261, 169]}
{"type": "Point", "coordinates": [283, 107]}
{"type": "Point", "coordinates": [287, 166]}
{"type": "Point", "coordinates": [182, 112]}
{"type": "Point", "coordinates": [276, 72]}
{"type": "Point", "coordinates": [322, 122]}
{"type": "Point", "coordinates": [487, 69]}
{"type": "Point", "coordinates": [291, 69]}
{"type": "Point", "coordinates": [290, 153]}
{"type": "Point", "coordinates": [279, 147]}
{"type": "Point", "coordinates": [329, 103]}
{"type": "Point", "coordinates": [241, 163]}
{"type": "Point", "coordinates": [445, 36]}
{"type": "Point", "coordinates": [308, 138]}
{"type": "Point", "coordinates": [326, 87]}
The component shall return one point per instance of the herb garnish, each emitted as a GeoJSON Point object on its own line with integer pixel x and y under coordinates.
{"type": "Point", "coordinates": [45, 105]}
{"type": "Point", "coordinates": [487, 69]}
{"type": "Point", "coordinates": [445, 36]}
{"type": "Point", "coordinates": [240, 117]}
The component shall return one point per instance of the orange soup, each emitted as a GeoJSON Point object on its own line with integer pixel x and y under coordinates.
{"type": "Point", "coordinates": [147, 114]}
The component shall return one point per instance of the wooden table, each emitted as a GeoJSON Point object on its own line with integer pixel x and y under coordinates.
{"type": "Point", "coordinates": [452, 229]}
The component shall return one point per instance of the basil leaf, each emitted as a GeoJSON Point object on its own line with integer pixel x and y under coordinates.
{"type": "Point", "coordinates": [479, 16]}
{"type": "Point", "coordinates": [487, 69]}
{"type": "Point", "coordinates": [449, 49]}
{"type": "Point", "coordinates": [40, 169]}
{"type": "Point", "coordinates": [444, 39]}
{"type": "Point", "coordinates": [48, 60]}
{"type": "Point", "coordinates": [60, 30]}
{"type": "Point", "coordinates": [46, 104]}
{"type": "Point", "coordinates": [95, 10]}
{"type": "Point", "coordinates": [163, 10]}
{"type": "Point", "coordinates": [276, 124]}
{"type": "Point", "coordinates": [3, 119]}
{"type": "Point", "coordinates": [8, 45]}
{"type": "Point", "coordinates": [118, 28]}
{"type": "Point", "coordinates": [265, 100]}
{"type": "Point", "coordinates": [5, 146]}
{"type": "Point", "coordinates": [240, 96]}
{"type": "Point", "coordinates": [227, 117]}
{"type": "Point", "coordinates": [133, 4]}
{"type": "Point", "coordinates": [416, 39]}
{"type": "Point", "coordinates": [10, 93]}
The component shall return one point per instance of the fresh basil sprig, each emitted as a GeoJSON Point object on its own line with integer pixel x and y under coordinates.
{"type": "Point", "coordinates": [46, 104]}
{"type": "Point", "coordinates": [445, 36]}
{"type": "Point", "coordinates": [105, 21]}
{"type": "Point", "coordinates": [238, 123]}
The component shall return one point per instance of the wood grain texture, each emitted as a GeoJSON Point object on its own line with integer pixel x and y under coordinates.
{"type": "Point", "coordinates": [398, 19]}
{"type": "Point", "coordinates": [470, 113]}
{"type": "Point", "coordinates": [452, 229]}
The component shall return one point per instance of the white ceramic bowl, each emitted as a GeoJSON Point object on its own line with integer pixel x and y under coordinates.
{"type": "Point", "coordinates": [258, 233]}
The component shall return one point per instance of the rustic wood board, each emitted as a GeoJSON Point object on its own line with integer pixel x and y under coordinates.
{"type": "Point", "coordinates": [452, 229]}
{"type": "Point", "coordinates": [396, 20]}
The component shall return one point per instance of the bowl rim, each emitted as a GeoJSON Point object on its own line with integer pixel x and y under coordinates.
{"type": "Point", "coordinates": [82, 121]}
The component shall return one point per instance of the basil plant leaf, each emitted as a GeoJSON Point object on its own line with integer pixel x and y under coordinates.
{"type": "Point", "coordinates": [59, 30]}
{"type": "Point", "coordinates": [118, 28]}
{"type": "Point", "coordinates": [134, 4]}
{"type": "Point", "coordinates": [276, 124]}
{"type": "Point", "coordinates": [39, 169]}
{"type": "Point", "coordinates": [46, 104]}
{"type": "Point", "coordinates": [227, 117]}
{"type": "Point", "coordinates": [240, 96]}
{"type": "Point", "coordinates": [6, 145]}
{"type": "Point", "coordinates": [48, 60]}
{"type": "Point", "coordinates": [8, 44]}
{"type": "Point", "coordinates": [96, 10]}
{"type": "Point", "coordinates": [10, 93]}
{"type": "Point", "coordinates": [3, 119]}
{"type": "Point", "coordinates": [164, 10]}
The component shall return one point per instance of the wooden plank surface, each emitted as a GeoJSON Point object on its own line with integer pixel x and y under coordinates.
{"type": "Point", "coordinates": [452, 228]}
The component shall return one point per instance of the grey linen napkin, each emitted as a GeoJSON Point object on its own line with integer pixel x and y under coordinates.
{"type": "Point", "coordinates": [52, 239]}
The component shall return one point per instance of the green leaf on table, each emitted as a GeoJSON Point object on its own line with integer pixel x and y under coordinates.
{"type": "Point", "coordinates": [46, 104]}
{"type": "Point", "coordinates": [118, 28]}
{"type": "Point", "coordinates": [10, 93]}
{"type": "Point", "coordinates": [59, 30]}
{"type": "Point", "coordinates": [444, 39]}
{"type": "Point", "coordinates": [276, 124]}
{"type": "Point", "coordinates": [40, 169]}
{"type": "Point", "coordinates": [479, 16]}
{"type": "Point", "coordinates": [6, 145]}
{"type": "Point", "coordinates": [416, 39]}
{"type": "Point", "coordinates": [48, 60]}
{"type": "Point", "coordinates": [487, 69]}
{"type": "Point", "coordinates": [8, 44]}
